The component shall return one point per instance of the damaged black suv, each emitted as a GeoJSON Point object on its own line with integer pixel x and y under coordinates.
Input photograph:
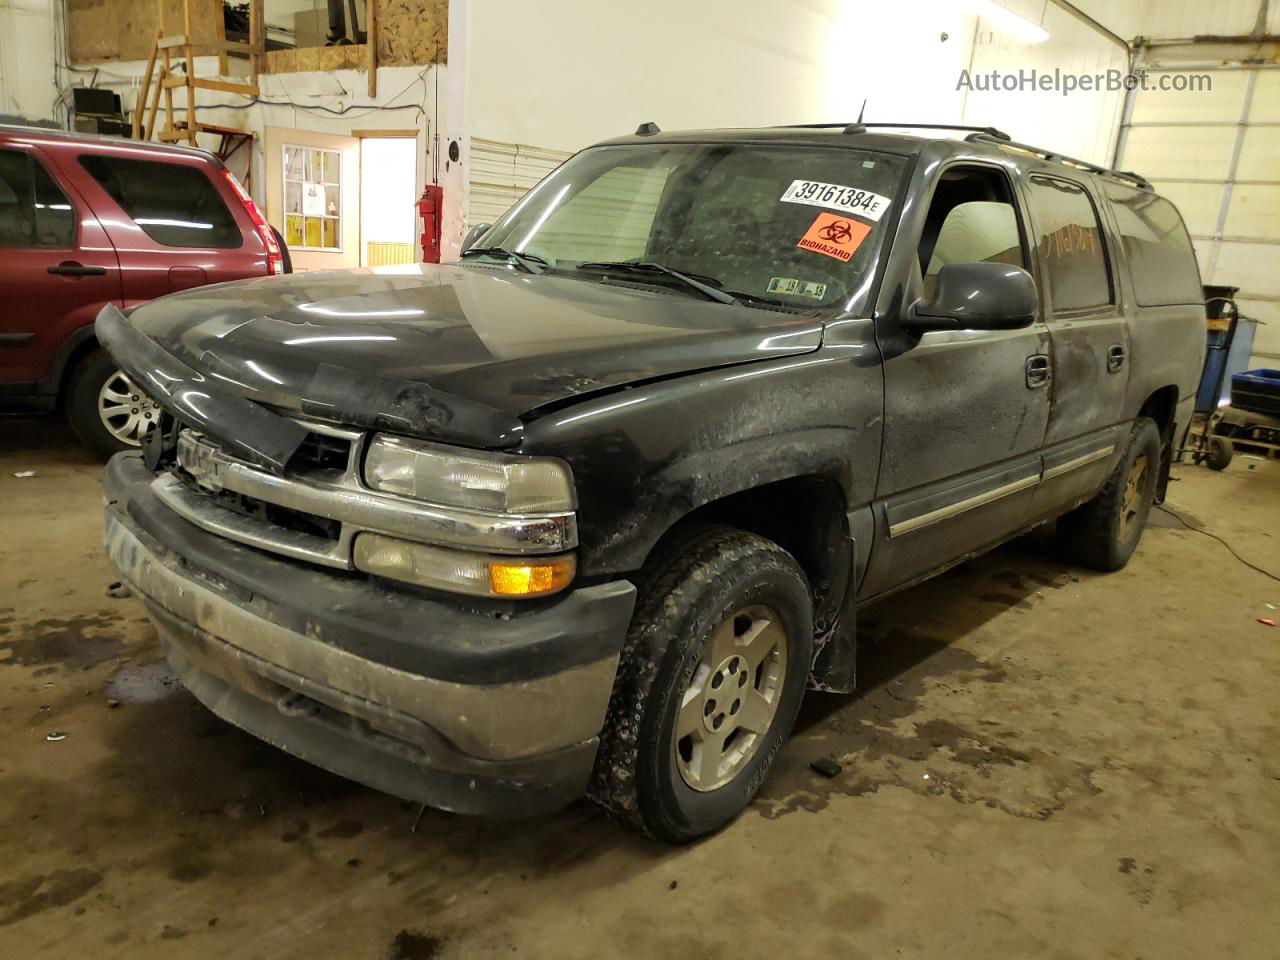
{"type": "Point", "coordinates": [588, 510]}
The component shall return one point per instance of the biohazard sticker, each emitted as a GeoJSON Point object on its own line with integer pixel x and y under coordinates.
{"type": "Point", "coordinates": [834, 236]}
{"type": "Point", "coordinates": [861, 203]}
{"type": "Point", "coordinates": [797, 288]}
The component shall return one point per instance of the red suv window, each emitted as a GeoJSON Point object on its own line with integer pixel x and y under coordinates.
{"type": "Point", "coordinates": [174, 204]}
{"type": "Point", "coordinates": [33, 211]}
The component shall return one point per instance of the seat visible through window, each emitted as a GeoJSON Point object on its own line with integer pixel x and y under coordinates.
{"type": "Point", "coordinates": [971, 219]}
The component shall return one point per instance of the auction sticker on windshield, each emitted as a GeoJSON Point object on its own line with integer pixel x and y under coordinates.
{"type": "Point", "coordinates": [861, 203]}
{"type": "Point", "coordinates": [834, 236]}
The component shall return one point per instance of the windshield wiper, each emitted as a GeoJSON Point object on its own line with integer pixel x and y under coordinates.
{"type": "Point", "coordinates": [702, 285]}
{"type": "Point", "coordinates": [529, 262]}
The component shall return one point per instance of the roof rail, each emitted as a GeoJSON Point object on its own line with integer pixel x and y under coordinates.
{"type": "Point", "coordinates": [989, 131]}
{"type": "Point", "coordinates": [1060, 158]}
{"type": "Point", "coordinates": [853, 127]}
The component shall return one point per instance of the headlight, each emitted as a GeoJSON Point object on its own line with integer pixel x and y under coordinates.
{"type": "Point", "coordinates": [461, 572]}
{"type": "Point", "coordinates": [495, 482]}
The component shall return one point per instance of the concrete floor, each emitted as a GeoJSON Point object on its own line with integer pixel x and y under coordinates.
{"type": "Point", "coordinates": [1042, 762]}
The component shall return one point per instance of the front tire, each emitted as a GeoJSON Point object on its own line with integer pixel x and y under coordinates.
{"type": "Point", "coordinates": [711, 677]}
{"type": "Point", "coordinates": [106, 409]}
{"type": "Point", "coordinates": [1104, 532]}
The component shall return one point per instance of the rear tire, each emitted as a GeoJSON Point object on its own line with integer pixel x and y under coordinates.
{"type": "Point", "coordinates": [106, 409]}
{"type": "Point", "coordinates": [714, 666]}
{"type": "Point", "coordinates": [1104, 532]}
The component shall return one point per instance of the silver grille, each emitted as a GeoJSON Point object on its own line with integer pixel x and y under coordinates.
{"type": "Point", "coordinates": [211, 489]}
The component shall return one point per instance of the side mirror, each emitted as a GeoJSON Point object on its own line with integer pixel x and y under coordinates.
{"type": "Point", "coordinates": [976, 296]}
{"type": "Point", "coordinates": [474, 234]}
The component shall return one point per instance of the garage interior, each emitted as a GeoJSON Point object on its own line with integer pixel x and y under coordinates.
{"type": "Point", "coordinates": [1039, 761]}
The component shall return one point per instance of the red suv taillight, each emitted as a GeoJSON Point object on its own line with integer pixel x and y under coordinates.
{"type": "Point", "coordinates": [275, 259]}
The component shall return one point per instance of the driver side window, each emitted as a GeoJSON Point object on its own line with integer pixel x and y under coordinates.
{"type": "Point", "coordinates": [971, 219]}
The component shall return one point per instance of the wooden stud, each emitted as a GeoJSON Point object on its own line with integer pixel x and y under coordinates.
{"type": "Point", "coordinates": [226, 86]}
{"type": "Point", "coordinates": [140, 106]}
{"type": "Point", "coordinates": [220, 32]}
{"type": "Point", "coordinates": [155, 105]}
{"type": "Point", "coordinates": [384, 134]}
{"type": "Point", "coordinates": [256, 44]}
{"type": "Point", "coordinates": [371, 39]}
{"type": "Point", "coordinates": [168, 94]}
{"type": "Point", "coordinates": [189, 53]}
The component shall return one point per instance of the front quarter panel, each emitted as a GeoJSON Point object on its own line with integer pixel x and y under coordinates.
{"type": "Point", "coordinates": [645, 457]}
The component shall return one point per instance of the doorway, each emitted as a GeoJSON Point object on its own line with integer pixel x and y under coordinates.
{"type": "Point", "coordinates": [388, 193]}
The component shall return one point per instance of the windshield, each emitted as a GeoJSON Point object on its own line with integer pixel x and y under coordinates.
{"type": "Point", "coordinates": [796, 226]}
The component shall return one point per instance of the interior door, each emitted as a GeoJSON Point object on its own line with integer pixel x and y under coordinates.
{"type": "Point", "coordinates": [964, 411]}
{"type": "Point", "coordinates": [57, 267]}
{"type": "Point", "coordinates": [313, 196]}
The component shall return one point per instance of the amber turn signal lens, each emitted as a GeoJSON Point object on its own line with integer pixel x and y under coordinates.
{"type": "Point", "coordinates": [530, 578]}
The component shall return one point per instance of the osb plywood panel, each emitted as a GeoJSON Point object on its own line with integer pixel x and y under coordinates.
{"type": "Point", "coordinates": [412, 32]}
{"type": "Point", "coordinates": [125, 29]}
{"type": "Point", "coordinates": [308, 59]}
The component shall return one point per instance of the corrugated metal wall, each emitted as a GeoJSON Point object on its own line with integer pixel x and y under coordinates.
{"type": "Point", "coordinates": [1176, 19]}
{"type": "Point", "coordinates": [1213, 152]}
{"type": "Point", "coordinates": [502, 173]}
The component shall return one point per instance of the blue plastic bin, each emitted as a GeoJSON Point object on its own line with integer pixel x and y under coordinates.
{"type": "Point", "coordinates": [1257, 391]}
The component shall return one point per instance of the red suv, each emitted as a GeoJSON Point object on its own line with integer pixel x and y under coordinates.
{"type": "Point", "coordinates": [87, 221]}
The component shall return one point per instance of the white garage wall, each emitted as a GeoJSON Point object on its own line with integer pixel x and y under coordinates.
{"type": "Point", "coordinates": [545, 77]}
{"type": "Point", "coordinates": [565, 73]}
{"type": "Point", "coordinates": [27, 54]}
{"type": "Point", "coordinates": [1079, 124]}
{"type": "Point", "coordinates": [335, 102]}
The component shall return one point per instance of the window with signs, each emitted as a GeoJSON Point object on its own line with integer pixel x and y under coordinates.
{"type": "Point", "coordinates": [33, 211]}
{"type": "Point", "coordinates": [1071, 244]}
{"type": "Point", "coordinates": [773, 225]}
{"type": "Point", "coordinates": [1161, 259]}
{"type": "Point", "coordinates": [312, 198]}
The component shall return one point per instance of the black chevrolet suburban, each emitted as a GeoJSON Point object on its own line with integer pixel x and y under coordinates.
{"type": "Point", "coordinates": [588, 510]}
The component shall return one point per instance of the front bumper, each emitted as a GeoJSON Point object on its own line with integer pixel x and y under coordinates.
{"type": "Point", "coordinates": [456, 709]}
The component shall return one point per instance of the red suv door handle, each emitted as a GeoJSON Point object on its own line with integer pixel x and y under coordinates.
{"type": "Point", "coordinates": [69, 268]}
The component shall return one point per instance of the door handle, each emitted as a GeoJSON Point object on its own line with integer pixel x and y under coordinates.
{"type": "Point", "coordinates": [69, 268]}
{"type": "Point", "coordinates": [1038, 370]}
{"type": "Point", "coordinates": [1115, 358]}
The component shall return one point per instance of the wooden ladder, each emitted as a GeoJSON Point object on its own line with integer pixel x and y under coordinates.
{"type": "Point", "coordinates": [171, 66]}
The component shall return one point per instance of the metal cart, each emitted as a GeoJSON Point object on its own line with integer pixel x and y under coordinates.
{"type": "Point", "coordinates": [1201, 439]}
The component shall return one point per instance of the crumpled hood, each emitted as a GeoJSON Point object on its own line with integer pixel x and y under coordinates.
{"type": "Point", "coordinates": [508, 341]}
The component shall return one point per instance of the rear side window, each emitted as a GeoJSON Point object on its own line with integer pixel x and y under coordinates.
{"type": "Point", "coordinates": [1070, 241]}
{"type": "Point", "coordinates": [1161, 259]}
{"type": "Point", "coordinates": [34, 212]}
{"type": "Point", "coordinates": [174, 204]}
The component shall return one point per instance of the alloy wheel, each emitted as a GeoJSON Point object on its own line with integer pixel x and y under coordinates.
{"type": "Point", "coordinates": [1134, 491]}
{"type": "Point", "coordinates": [126, 412]}
{"type": "Point", "coordinates": [731, 698]}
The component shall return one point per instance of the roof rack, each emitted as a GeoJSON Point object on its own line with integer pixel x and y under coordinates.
{"type": "Point", "coordinates": [861, 126]}
{"type": "Point", "coordinates": [981, 137]}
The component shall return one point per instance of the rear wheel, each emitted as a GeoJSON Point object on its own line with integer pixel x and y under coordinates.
{"type": "Point", "coordinates": [712, 674]}
{"type": "Point", "coordinates": [1104, 532]}
{"type": "Point", "coordinates": [106, 409]}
